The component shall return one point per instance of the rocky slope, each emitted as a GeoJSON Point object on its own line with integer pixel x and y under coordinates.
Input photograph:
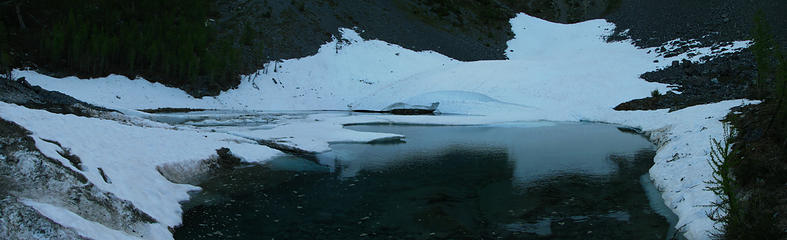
{"type": "Point", "coordinates": [26, 174]}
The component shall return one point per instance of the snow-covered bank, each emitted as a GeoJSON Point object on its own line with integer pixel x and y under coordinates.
{"type": "Point", "coordinates": [556, 72]}
{"type": "Point", "coordinates": [122, 159]}
{"type": "Point", "coordinates": [127, 156]}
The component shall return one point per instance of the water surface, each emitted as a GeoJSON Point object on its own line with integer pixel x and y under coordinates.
{"type": "Point", "coordinates": [510, 181]}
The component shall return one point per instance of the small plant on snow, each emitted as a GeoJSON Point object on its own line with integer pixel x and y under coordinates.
{"type": "Point", "coordinates": [655, 93]}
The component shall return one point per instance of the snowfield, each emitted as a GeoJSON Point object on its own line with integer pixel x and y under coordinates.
{"type": "Point", "coordinates": [555, 72]}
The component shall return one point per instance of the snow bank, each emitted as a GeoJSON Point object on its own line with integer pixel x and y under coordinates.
{"type": "Point", "coordinates": [548, 63]}
{"type": "Point", "coordinates": [341, 70]}
{"type": "Point", "coordinates": [555, 72]}
{"type": "Point", "coordinates": [85, 228]}
{"type": "Point", "coordinates": [128, 156]}
{"type": "Point", "coordinates": [680, 169]}
{"type": "Point", "coordinates": [117, 92]}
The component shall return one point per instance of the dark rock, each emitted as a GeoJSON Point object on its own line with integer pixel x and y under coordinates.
{"type": "Point", "coordinates": [652, 23]}
{"type": "Point", "coordinates": [172, 110]}
{"type": "Point", "coordinates": [409, 109]}
{"type": "Point", "coordinates": [104, 176]}
{"type": "Point", "coordinates": [66, 153]}
{"type": "Point", "coordinates": [20, 92]}
{"type": "Point", "coordinates": [412, 112]}
{"type": "Point", "coordinates": [226, 159]}
{"type": "Point", "coordinates": [722, 78]}
{"type": "Point", "coordinates": [26, 173]}
{"type": "Point", "coordinates": [400, 108]}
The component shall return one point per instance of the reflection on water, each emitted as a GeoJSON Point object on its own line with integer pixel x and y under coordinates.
{"type": "Point", "coordinates": [530, 180]}
{"type": "Point", "coordinates": [533, 150]}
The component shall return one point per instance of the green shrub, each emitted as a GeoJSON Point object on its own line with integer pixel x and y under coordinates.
{"type": "Point", "coordinates": [742, 212]}
{"type": "Point", "coordinates": [763, 47]}
{"type": "Point", "coordinates": [723, 158]}
{"type": "Point", "coordinates": [655, 93]}
{"type": "Point", "coordinates": [170, 40]}
{"type": "Point", "coordinates": [771, 72]}
{"type": "Point", "coordinates": [5, 55]}
{"type": "Point", "coordinates": [781, 91]}
{"type": "Point", "coordinates": [247, 37]}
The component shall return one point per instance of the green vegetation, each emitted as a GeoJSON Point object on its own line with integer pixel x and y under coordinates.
{"type": "Point", "coordinates": [5, 55]}
{"type": "Point", "coordinates": [247, 37]}
{"type": "Point", "coordinates": [723, 158]}
{"type": "Point", "coordinates": [175, 42]}
{"type": "Point", "coordinates": [458, 13]}
{"type": "Point", "coordinates": [612, 5]}
{"type": "Point", "coordinates": [167, 37]}
{"type": "Point", "coordinates": [743, 213]}
{"type": "Point", "coordinates": [750, 175]}
{"type": "Point", "coordinates": [655, 93]}
{"type": "Point", "coordinates": [771, 72]}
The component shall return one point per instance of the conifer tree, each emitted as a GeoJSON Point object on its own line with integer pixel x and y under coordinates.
{"type": "Point", "coordinates": [5, 55]}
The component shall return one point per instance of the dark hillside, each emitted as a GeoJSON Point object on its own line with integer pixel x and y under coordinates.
{"type": "Point", "coordinates": [88, 38]}
{"type": "Point", "coordinates": [652, 23]}
{"type": "Point", "coordinates": [202, 45]}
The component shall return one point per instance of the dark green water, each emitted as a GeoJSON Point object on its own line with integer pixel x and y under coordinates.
{"type": "Point", "coordinates": [516, 181]}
